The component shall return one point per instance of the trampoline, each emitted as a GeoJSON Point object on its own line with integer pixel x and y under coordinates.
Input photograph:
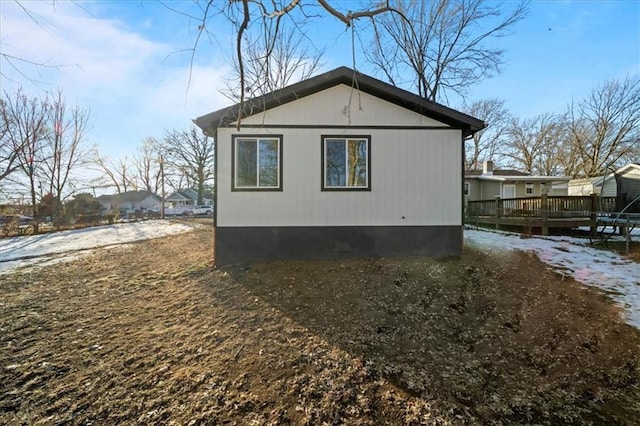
{"type": "Point", "coordinates": [626, 215]}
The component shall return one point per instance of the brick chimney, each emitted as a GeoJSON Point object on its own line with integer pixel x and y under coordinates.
{"type": "Point", "coordinates": [487, 167]}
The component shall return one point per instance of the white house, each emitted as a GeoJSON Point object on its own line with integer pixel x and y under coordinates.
{"type": "Point", "coordinates": [339, 165]}
{"type": "Point", "coordinates": [188, 197]}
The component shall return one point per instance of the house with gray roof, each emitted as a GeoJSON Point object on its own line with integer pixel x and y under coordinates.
{"type": "Point", "coordinates": [131, 202]}
{"type": "Point", "coordinates": [489, 183]}
{"type": "Point", "coordinates": [188, 197]}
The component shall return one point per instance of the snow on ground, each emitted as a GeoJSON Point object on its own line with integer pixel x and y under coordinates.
{"type": "Point", "coordinates": [606, 270]}
{"type": "Point", "coordinates": [617, 275]}
{"type": "Point", "coordinates": [54, 247]}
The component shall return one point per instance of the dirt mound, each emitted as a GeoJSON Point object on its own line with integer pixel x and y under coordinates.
{"type": "Point", "coordinates": [149, 333]}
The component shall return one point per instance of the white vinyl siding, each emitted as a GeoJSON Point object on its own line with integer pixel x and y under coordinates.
{"type": "Point", "coordinates": [414, 174]}
{"type": "Point", "coordinates": [609, 189]}
{"type": "Point", "coordinates": [343, 106]}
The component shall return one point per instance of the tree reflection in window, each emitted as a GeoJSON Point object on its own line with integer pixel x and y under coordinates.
{"type": "Point", "coordinates": [346, 163]}
{"type": "Point", "coordinates": [257, 163]}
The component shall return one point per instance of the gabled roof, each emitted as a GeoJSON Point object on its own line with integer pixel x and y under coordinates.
{"type": "Point", "coordinates": [628, 167]}
{"type": "Point", "coordinates": [341, 75]}
{"type": "Point", "coordinates": [177, 196]}
{"type": "Point", "coordinates": [189, 194]}
{"type": "Point", "coordinates": [600, 180]}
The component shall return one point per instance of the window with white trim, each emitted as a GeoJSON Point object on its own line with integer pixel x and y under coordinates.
{"type": "Point", "coordinates": [529, 188]}
{"type": "Point", "coordinates": [257, 163]}
{"type": "Point", "coordinates": [467, 188]}
{"type": "Point", "coordinates": [346, 163]}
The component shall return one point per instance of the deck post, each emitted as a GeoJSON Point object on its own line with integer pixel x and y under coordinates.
{"type": "Point", "coordinates": [594, 212]}
{"type": "Point", "coordinates": [544, 214]}
{"type": "Point", "coordinates": [498, 208]}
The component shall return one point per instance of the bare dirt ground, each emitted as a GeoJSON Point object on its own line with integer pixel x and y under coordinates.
{"type": "Point", "coordinates": [149, 333]}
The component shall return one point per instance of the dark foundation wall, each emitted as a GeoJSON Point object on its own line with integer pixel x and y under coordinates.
{"type": "Point", "coordinates": [238, 245]}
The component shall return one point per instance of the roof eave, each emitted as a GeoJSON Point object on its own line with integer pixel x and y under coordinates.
{"type": "Point", "coordinates": [342, 75]}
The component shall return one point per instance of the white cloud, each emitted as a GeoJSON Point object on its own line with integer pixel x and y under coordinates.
{"type": "Point", "coordinates": [134, 85]}
{"type": "Point", "coordinates": [89, 51]}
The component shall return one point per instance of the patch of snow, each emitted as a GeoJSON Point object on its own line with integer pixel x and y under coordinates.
{"type": "Point", "coordinates": [615, 274]}
{"type": "Point", "coordinates": [63, 246]}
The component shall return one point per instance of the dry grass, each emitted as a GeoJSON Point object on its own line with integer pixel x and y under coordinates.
{"type": "Point", "coordinates": [149, 333]}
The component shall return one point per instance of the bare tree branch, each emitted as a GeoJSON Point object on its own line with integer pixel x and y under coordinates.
{"type": "Point", "coordinates": [442, 45]}
{"type": "Point", "coordinates": [605, 126]}
{"type": "Point", "coordinates": [533, 144]}
{"type": "Point", "coordinates": [488, 143]}
{"type": "Point", "coordinates": [15, 62]}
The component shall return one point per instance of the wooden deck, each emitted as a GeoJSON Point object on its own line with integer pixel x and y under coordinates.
{"type": "Point", "coordinates": [541, 213]}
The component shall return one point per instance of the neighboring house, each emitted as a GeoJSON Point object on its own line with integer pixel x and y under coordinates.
{"type": "Point", "coordinates": [339, 165]}
{"type": "Point", "coordinates": [606, 186]}
{"type": "Point", "coordinates": [131, 201]}
{"type": "Point", "coordinates": [188, 197]}
{"type": "Point", "coordinates": [627, 188]}
{"type": "Point", "coordinates": [489, 183]}
{"type": "Point", "coordinates": [628, 183]}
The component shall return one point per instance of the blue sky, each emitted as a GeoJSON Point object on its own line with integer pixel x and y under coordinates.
{"type": "Point", "coordinates": [126, 60]}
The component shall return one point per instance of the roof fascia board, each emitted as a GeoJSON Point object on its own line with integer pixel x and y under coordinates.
{"type": "Point", "coordinates": [629, 166]}
{"type": "Point", "coordinates": [349, 77]}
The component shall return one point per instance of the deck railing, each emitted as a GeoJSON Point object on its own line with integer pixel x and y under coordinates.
{"type": "Point", "coordinates": [559, 206]}
{"type": "Point", "coordinates": [543, 209]}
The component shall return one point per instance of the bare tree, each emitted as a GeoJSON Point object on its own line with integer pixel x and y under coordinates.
{"type": "Point", "coordinates": [605, 126]}
{"type": "Point", "coordinates": [116, 174]}
{"type": "Point", "coordinates": [533, 144]}
{"type": "Point", "coordinates": [192, 153]}
{"type": "Point", "coordinates": [442, 46]}
{"type": "Point", "coordinates": [487, 144]}
{"type": "Point", "coordinates": [26, 134]}
{"type": "Point", "coordinates": [147, 165]}
{"type": "Point", "coordinates": [65, 149]}
{"type": "Point", "coordinates": [9, 147]}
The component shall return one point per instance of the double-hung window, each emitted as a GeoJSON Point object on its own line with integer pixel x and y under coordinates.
{"type": "Point", "coordinates": [257, 163]}
{"type": "Point", "coordinates": [529, 189]}
{"type": "Point", "coordinates": [346, 163]}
